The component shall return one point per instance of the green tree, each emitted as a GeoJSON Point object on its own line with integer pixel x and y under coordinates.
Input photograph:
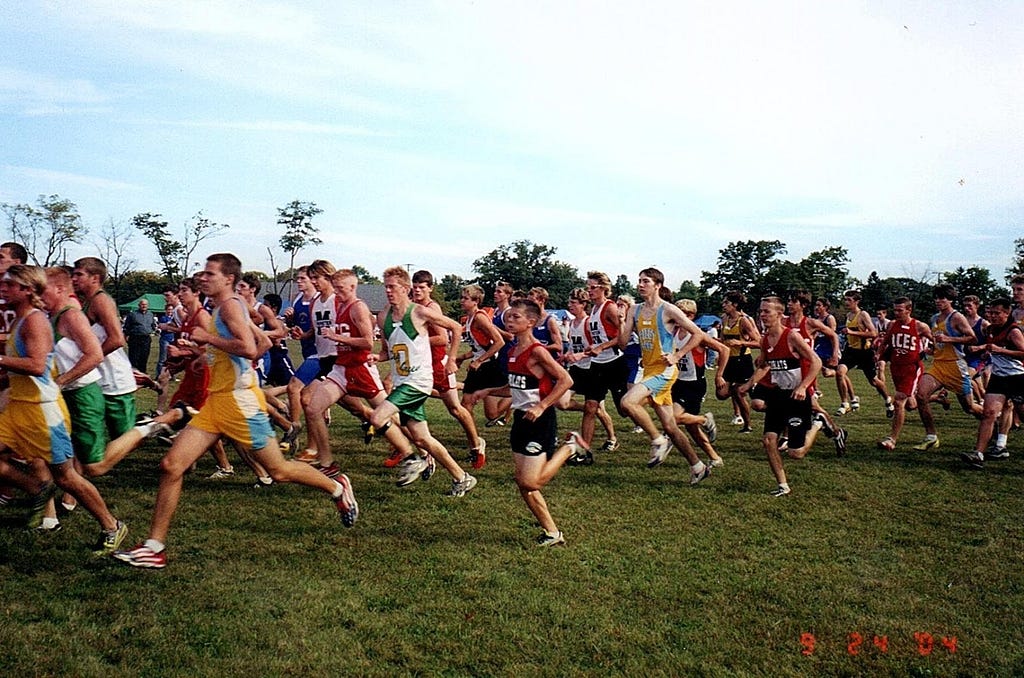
{"type": "Point", "coordinates": [974, 280]}
{"type": "Point", "coordinates": [523, 265]}
{"type": "Point", "coordinates": [114, 249]}
{"type": "Point", "coordinates": [176, 255]}
{"type": "Point", "coordinates": [1018, 260]}
{"type": "Point", "coordinates": [742, 266]}
{"type": "Point", "coordinates": [826, 272]}
{"type": "Point", "coordinates": [299, 231]}
{"type": "Point", "coordinates": [447, 293]}
{"type": "Point", "coordinates": [47, 228]}
{"type": "Point", "coordinates": [622, 285]}
{"type": "Point", "coordinates": [136, 283]}
{"type": "Point", "coordinates": [364, 276]}
{"type": "Point", "coordinates": [168, 250]}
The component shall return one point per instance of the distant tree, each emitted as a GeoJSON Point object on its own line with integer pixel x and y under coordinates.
{"type": "Point", "coordinates": [136, 283]}
{"type": "Point", "coordinates": [742, 266]}
{"type": "Point", "coordinates": [826, 272]}
{"type": "Point", "coordinates": [523, 265]}
{"type": "Point", "coordinates": [447, 292]}
{"type": "Point", "coordinates": [690, 290]}
{"type": "Point", "coordinates": [46, 229]}
{"type": "Point", "coordinates": [364, 276]}
{"type": "Point", "coordinates": [113, 248]}
{"type": "Point", "coordinates": [974, 280]}
{"type": "Point", "coordinates": [622, 285]}
{"type": "Point", "coordinates": [879, 293]}
{"type": "Point", "coordinates": [176, 255]}
{"type": "Point", "coordinates": [299, 231]}
{"type": "Point", "coordinates": [168, 250]}
{"type": "Point", "coordinates": [1018, 260]}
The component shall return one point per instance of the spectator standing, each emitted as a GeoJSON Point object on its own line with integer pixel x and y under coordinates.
{"type": "Point", "coordinates": [139, 326]}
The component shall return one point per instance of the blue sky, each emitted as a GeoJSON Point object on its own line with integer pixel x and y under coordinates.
{"type": "Point", "coordinates": [623, 134]}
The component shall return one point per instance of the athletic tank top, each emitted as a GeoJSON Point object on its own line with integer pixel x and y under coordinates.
{"type": "Point", "coordinates": [691, 365]}
{"type": "Point", "coordinates": [410, 353]}
{"type": "Point", "coordinates": [577, 339]}
{"type": "Point", "coordinates": [655, 339]}
{"type": "Point", "coordinates": [903, 343]}
{"type": "Point", "coordinates": [527, 389]}
{"type": "Point", "coordinates": [67, 353]}
{"type": "Point", "coordinates": [348, 356]}
{"type": "Point", "coordinates": [943, 350]}
{"type": "Point", "coordinates": [853, 323]}
{"type": "Point", "coordinates": [786, 372]}
{"type": "Point", "coordinates": [116, 374]}
{"type": "Point", "coordinates": [477, 340]}
{"type": "Point", "coordinates": [541, 331]}
{"type": "Point", "coordinates": [228, 372]}
{"type": "Point", "coordinates": [29, 388]}
{"type": "Point", "coordinates": [1004, 365]}
{"type": "Point", "coordinates": [734, 331]}
{"type": "Point", "coordinates": [302, 317]}
{"type": "Point", "coordinates": [323, 319]}
{"type": "Point", "coordinates": [599, 331]}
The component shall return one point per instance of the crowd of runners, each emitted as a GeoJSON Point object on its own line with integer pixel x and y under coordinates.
{"type": "Point", "coordinates": [69, 401]}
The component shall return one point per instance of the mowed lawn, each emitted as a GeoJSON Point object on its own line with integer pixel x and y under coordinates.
{"type": "Point", "coordinates": [879, 563]}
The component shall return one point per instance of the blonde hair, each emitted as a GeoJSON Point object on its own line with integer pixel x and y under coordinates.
{"type": "Point", "coordinates": [474, 292]}
{"type": "Point", "coordinates": [31, 277]}
{"type": "Point", "coordinates": [401, 274]}
{"type": "Point", "coordinates": [687, 306]}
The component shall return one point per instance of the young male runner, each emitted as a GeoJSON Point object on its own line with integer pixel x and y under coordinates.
{"type": "Point", "coordinates": [536, 382]}
{"type": "Point", "coordinates": [235, 408]}
{"type": "Point", "coordinates": [444, 378]}
{"type": "Point", "coordinates": [655, 322]}
{"type": "Point", "coordinates": [791, 366]}
{"type": "Point", "coordinates": [740, 334]}
{"type": "Point", "coordinates": [405, 342]}
{"type": "Point", "coordinates": [860, 333]}
{"type": "Point", "coordinates": [902, 346]}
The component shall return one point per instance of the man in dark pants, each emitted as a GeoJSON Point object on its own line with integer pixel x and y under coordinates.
{"type": "Point", "coordinates": [139, 326]}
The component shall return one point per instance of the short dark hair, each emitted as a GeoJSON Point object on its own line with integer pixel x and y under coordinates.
{"type": "Point", "coordinates": [17, 251]}
{"type": "Point", "coordinates": [944, 291]}
{"type": "Point", "coordinates": [229, 265]}
{"type": "Point", "coordinates": [529, 307]}
{"type": "Point", "coordinates": [422, 276]}
{"type": "Point", "coordinates": [654, 274]}
{"type": "Point", "coordinates": [273, 301]}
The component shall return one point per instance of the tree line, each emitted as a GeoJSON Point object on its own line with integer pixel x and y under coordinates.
{"type": "Point", "coordinates": [755, 267]}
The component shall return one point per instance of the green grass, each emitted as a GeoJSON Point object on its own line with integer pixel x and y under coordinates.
{"type": "Point", "coordinates": [657, 578]}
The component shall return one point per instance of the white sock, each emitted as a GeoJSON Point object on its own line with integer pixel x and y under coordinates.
{"type": "Point", "coordinates": [783, 486]}
{"type": "Point", "coordinates": [265, 480]}
{"type": "Point", "coordinates": [1000, 440]}
{"type": "Point", "coordinates": [697, 468]}
{"type": "Point", "coordinates": [154, 545]}
{"type": "Point", "coordinates": [147, 429]}
{"type": "Point", "coordinates": [338, 490]}
{"type": "Point", "coordinates": [50, 523]}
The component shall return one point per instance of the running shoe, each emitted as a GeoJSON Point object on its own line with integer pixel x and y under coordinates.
{"type": "Point", "coordinates": [410, 470]}
{"type": "Point", "coordinates": [660, 447]}
{"type": "Point", "coordinates": [717, 463]}
{"type": "Point", "coordinates": [291, 435]}
{"type": "Point", "coordinates": [497, 421]}
{"type": "Point", "coordinates": [263, 483]}
{"type": "Point", "coordinates": [368, 432]}
{"type": "Point", "coordinates": [638, 429]}
{"type": "Point", "coordinates": [994, 452]}
{"type": "Point", "coordinates": [710, 427]}
{"type": "Point", "coordinates": [783, 444]}
{"type": "Point", "coordinates": [307, 456]}
{"type": "Point", "coordinates": [37, 505]}
{"type": "Point", "coordinates": [348, 507]}
{"type": "Point", "coordinates": [43, 529]}
{"type": "Point", "coordinates": [331, 470]}
{"type": "Point", "coordinates": [186, 415]}
{"type": "Point", "coordinates": [610, 445]}
{"type": "Point", "coordinates": [855, 403]}
{"type": "Point", "coordinates": [840, 442]}
{"type": "Point", "coordinates": [394, 460]}
{"type": "Point", "coordinates": [110, 540]}
{"type": "Point", "coordinates": [143, 556]}
{"type": "Point", "coordinates": [887, 443]}
{"type": "Point", "coordinates": [929, 443]}
{"type": "Point", "coordinates": [221, 473]}
{"type": "Point", "coordinates": [780, 491]}
{"type": "Point", "coordinates": [546, 539]}
{"type": "Point", "coordinates": [890, 408]}
{"type": "Point", "coordinates": [478, 455]}
{"type": "Point", "coordinates": [461, 487]}
{"type": "Point", "coordinates": [428, 472]}
{"type": "Point", "coordinates": [737, 420]}
{"type": "Point", "coordinates": [844, 408]}
{"type": "Point", "coordinates": [825, 426]}
{"type": "Point", "coordinates": [745, 429]}
{"type": "Point", "coordinates": [697, 476]}
{"type": "Point", "coordinates": [973, 459]}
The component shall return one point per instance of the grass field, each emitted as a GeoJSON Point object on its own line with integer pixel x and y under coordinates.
{"type": "Point", "coordinates": [903, 550]}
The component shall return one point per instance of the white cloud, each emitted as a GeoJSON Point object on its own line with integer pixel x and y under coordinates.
{"type": "Point", "coordinates": [59, 180]}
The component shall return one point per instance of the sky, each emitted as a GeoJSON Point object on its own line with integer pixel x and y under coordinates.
{"type": "Point", "coordinates": [624, 135]}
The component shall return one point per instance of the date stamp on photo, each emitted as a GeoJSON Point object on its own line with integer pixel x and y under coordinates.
{"type": "Point", "coordinates": [857, 643]}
